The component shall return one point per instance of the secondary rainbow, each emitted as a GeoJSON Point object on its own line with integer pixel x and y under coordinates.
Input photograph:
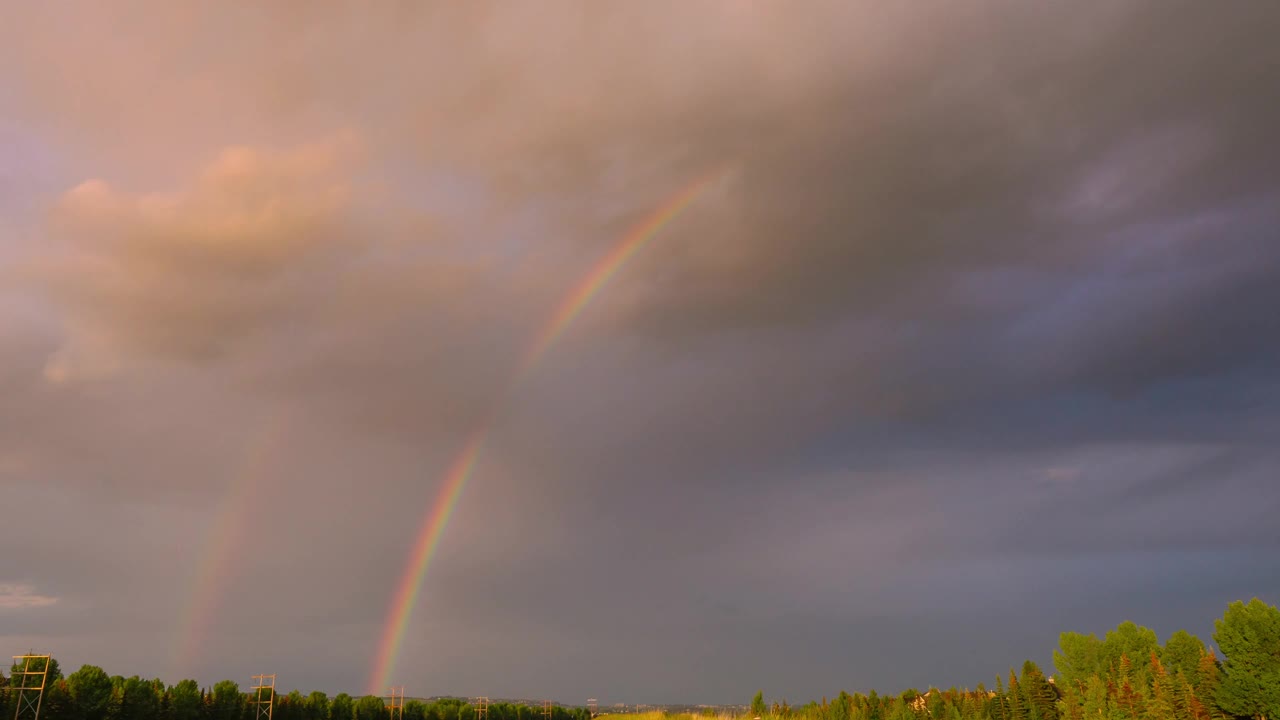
{"type": "Point", "coordinates": [463, 466]}
{"type": "Point", "coordinates": [213, 570]}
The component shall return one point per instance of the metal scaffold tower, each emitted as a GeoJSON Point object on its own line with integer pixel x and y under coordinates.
{"type": "Point", "coordinates": [264, 695]}
{"type": "Point", "coordinates": [546, 709]}
{"type": "Point", "coordinates": [395, 702]}
{"type": "Point", "coordinates": [482, 708]}
{"type": "Point", "coordinates": [27, 685]}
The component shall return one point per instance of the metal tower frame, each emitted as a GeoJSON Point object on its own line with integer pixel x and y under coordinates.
{"type": "Point", "coordinates": [396, 702]}
{"type": "Point", "coordinates": [30, 688]}
{"type": "Point", "coordinates": [262, 707]}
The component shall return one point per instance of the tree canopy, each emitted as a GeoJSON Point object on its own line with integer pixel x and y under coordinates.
{"type": "Point", "coordinates": [1249, 636]}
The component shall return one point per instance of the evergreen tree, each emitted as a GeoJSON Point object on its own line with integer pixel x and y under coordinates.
{"type": "Point", "coordinates": [1127, 700]}
{"type": "Point", "coordinates": [1096, 705]}
{"type": "Point", "coordinates": [1070, 705]}
{"type": "Point", "coordinates": [841, 707]}
{"type": "Point", "coordinates": [935, 704]}
{"type": "Point", "coordinates": [875, 706]}
{"type": "Point", "coordinates": [1207, 679]}
{"type": "Point", "coordinates": [1039, 693]}
{"type": "Point", "coordinates": [1018, 709]}
{"type": "Point", "coordinates": [999, 703]}
{"type": "Point", "coordinates": [758, 708]}
{"type": "Point", "coordinates": [1195, 708]}
{"type": "Point", "coordinates": [1162, 705]}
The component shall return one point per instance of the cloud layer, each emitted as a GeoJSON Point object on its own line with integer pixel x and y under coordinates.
{"type": "Point", "coordinates": [17, 596]}
{"type": "Point", "coordinates": [973, 344]}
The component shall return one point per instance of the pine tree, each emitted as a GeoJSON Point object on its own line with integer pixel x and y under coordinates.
{"type": "Point", "coordinates": [758, 708]}
{"type": "Point", "coordinates": [1208, 678]}
{"type": "Point", "coordinates": [1194, 708]}
{"type": "Point", "coordinates": [1162, 705]}
{"type": "Point", "coordinates": [1096, 703]}
{"type": "Point", "coordinates": [1071, 697]}
{"type": "Point", "coordinates": [999, 705]}
{"type": "Point", "coordinates": [1017, 706]}
{"type": "Point", "coordinates": [1128, 700]}
{"type": "Point", "coordinates": [1039, 693]}
{"type": "Point", "coordinates": [875, 706]}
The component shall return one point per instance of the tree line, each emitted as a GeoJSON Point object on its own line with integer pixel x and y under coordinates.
{"type": "Point", "coordinates": [1126, 675]}
{"type": "Point", "coordinates": [91, 694]}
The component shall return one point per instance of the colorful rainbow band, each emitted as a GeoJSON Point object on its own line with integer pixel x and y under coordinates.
{"type": "Point", "coordinates": [437, 518]}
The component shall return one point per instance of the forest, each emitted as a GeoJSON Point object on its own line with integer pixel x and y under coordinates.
{"type": "Point", "coordinates": [91, 694]}
{"type": "Point", "coordinates": [1126, 675]}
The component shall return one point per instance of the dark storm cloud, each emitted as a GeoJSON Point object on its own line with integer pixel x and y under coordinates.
{"type": "Point", "coordinates": [973, 341]}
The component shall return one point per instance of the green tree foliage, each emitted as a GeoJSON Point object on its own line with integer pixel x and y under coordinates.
{"type": "Point", "coordinates": [1129, 701]}
{"type": "Point", "coordinates": [342, 707]}
{"type": "Point", "coordinates": [1096, 700]}
{"type": "Point", "coordinates": [370, 707]}
{"type": "Point", "coordinates": [58, 704]}
{"type": "Point", "coordinates": [1208, 677]}
{"type": "Point", "coordinates": [1182, 653]}
{"type": "Point", "coordinates": [54, 672]}
{"type": "Point", "coordinates": [91, 690]}
{"type": "Point", "coordinates": [1016, 702]}
{"type": "Point", "coordinates": [841, 707]}
{"type": "Point", "coordinates": [317, 707]}
{"type": "Point", "coordinates": [1078, 657]}
{"type": "Point", "coordinates": [758, 708]}
{"type": "Point", "coordinates": [1249, 636]}
{"type": "Point", "coordinates": [186, 702]}
{"type": "Point", "coordinates": [1038, 693]}
{"type": "Point", "coordinates": [1164, 703]}
{"type": "Point", "coordinates": [999, 709]}
{"type": "Point", "coordinates": [1098, 680]}
{"type": "Point", "coordinates": [226, 702]}
{"type": "Point", "coordinates": [138, 700]}
{"type": "Point", "coordinates": [1135, 642]}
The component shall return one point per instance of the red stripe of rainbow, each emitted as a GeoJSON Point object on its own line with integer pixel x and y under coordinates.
{"type": "Point", "coordinates": [437, 517]}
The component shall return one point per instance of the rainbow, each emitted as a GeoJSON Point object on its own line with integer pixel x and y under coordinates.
{"type": "Point", "coordinates": [463, 466]}
{"type": "Point", "coordinates": [229, 527]}
{"type": "Point", "coordinates": [406, 594]}
{"type": "Point", "coordinates": [608, 266]}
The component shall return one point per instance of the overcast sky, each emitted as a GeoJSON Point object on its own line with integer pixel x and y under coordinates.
{"type": "Point", "coordinates": [976, 338]}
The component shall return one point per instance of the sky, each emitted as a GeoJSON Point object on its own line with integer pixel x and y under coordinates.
{"type": "Point", "coordinates": [972, 340]}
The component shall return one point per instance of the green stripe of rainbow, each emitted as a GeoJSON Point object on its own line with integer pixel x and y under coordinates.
{"type": "Point", "coordinates": [226, 536]}
{"type": "Point", "coordinates": [464, 465]}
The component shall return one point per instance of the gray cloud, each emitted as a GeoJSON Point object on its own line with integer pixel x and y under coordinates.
{"type": "Point", "coordinates": [971, 344]}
